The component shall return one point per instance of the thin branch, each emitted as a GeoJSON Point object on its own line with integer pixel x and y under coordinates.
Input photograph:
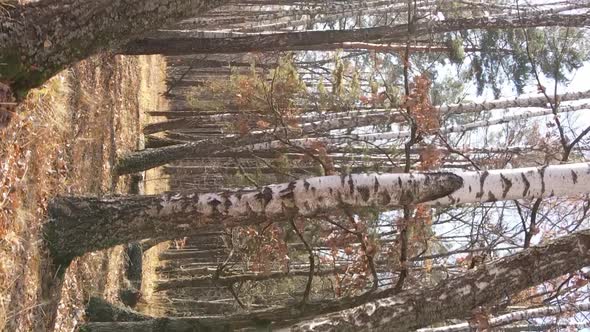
{"type": "Point", "coordinates": [307, 291]}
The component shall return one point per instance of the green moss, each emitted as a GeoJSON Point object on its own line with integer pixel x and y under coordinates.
{"type": "Point", "coordinates": [20, 76]}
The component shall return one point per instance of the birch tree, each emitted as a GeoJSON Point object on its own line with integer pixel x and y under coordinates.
{"type": "Point", "coordinates": [83, 224]}
{"type": "Point", "coordinates": [513, 317]}
{"type": "Point", "coordinates": [146, 159]}
{"type": "Point", "coordinates": [459, 296]}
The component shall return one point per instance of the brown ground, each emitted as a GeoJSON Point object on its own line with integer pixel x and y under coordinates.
{"type": "Point", "coordinates": [64, 141]}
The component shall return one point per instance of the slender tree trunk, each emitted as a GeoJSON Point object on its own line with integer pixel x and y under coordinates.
{"type": "Point", "coordinates": [210, 280]}
{"type": "Point", "coordinates": [182, 42]}
{"type": "Point", "coordinates": [180, 254]}
{"type": "Point", "coordinates": [260, 141]}
{"type": "Point", "coordinates": [39, 39]}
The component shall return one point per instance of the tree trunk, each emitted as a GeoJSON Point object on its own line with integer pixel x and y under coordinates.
{"type": "Point", "coordinates": [384, 310]}
{"type": "Point", "coordinates": [99, 310]}
{"type": "Point", "coordinates": [457, 297]}
{"type": "Point", "coordinates": [259, 141]}
{"type": "Point", "coordinates": [191, 253]}
{"type": "Point", "coordinates": [181, 42]}
{"type": "Point", "coordinates": [514, 317]}
{"type": "Point", "coordinates": [39, 39]}
{"type": "Point", "coordinates": [81, 224]}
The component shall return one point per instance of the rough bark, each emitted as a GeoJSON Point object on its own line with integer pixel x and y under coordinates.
{"type": "Point", "coordinates": [134, 263]}
{"type": "Point", "coordinates": [412, 309]}
{"type": "Point", "coordinates": [160, 325]}
{"type": "Point", "coordinates": [457, 297]}
{"type": "Point", "coordinates": [41, 38]}
{"type": "Point", "coordinates": [514, 317]}
{"type": "Point", "coordinates": [81, 224]}
{"type": "Point", "coordinates": [181, 42]}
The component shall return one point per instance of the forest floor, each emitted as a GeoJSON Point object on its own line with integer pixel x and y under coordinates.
{"type": "Point", "coordinates": [64, 141]}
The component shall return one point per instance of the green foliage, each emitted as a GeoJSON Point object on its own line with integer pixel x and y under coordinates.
{"type": "Point", "coordinates": [493, 65]}
{"type": "Point", "coordinates": [448, 90]}
{"type": "Point", "coordinates": [457, 52]}
{"type": "Point", "coordinates": [559, 51]}
{"type": "Point", "coordinates": [272, 91]}
{"type": "Point", "coordinates": [555, 53]}
{"type": "Point", "coordinates": [338, 78]}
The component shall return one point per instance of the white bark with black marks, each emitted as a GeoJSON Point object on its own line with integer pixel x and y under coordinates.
{"type": "Point", "coordinates": [82, 224]}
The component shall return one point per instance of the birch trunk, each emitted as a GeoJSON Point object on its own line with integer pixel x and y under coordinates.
{"type": "Point", "coordinates": [168, 151]}
{"type": "Point", "coordinates": [519, 183]}
{"type": "Point", "coordinates": [82, 224]}
{"type": "Point", "coordinates": [475, 125]}
{"type": "Point", "coordinates": [39, 39]}
{"type": "Point", "coordinates": [520, 102]}
{"type": "Point", "coordinates": [306, 142]}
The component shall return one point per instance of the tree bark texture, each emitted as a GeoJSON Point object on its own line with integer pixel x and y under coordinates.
{"type": "Point", "coordinates": [99, 310]}
{"type": "Point", "coordinates": [457, 297]}
{"type": "Point", "coordinates": [39, 39]}
{"type": "Point", "coordinates": [412, 309]}
{"type": "Point", "coordinates": [81, 224]}
{"type": "Point", "coordinates": [513, 317]}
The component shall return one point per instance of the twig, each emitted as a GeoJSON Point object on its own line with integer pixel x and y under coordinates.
{"type": "Point", "coordinates": [307, 291]}
{"type": "Point", "coordinates": [246, 175]}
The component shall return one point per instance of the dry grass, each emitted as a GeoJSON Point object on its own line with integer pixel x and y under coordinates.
{"type": "Point", "coordinates": [64, 141]}
{"type": "Point", "coordinates": [149, 302]}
